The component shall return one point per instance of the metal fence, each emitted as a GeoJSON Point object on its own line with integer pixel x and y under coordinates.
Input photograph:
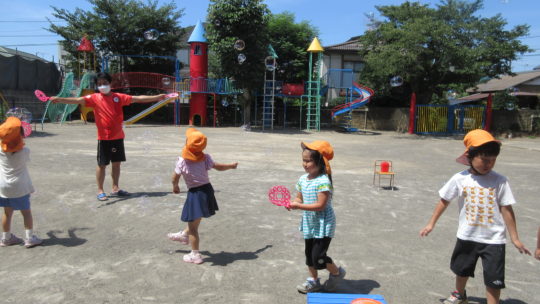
{"type": "Point", "coordinates": [448, 119]}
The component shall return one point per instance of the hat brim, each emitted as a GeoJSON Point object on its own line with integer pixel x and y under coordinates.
{"type": "Point", "coordinates": [463, 159]}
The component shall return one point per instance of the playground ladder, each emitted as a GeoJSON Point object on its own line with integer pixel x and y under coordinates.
{"type": "Point", "coordinates": [268, 104]}
{"type": "Point", "coordinates": [313, 114]}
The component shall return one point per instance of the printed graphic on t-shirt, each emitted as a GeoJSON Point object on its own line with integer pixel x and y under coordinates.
{"type": "Point", "coordinates": [480, 205]}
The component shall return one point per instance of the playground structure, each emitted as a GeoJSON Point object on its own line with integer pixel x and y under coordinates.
{"type": "Point", "coordinates": [312, 91]}
{"type": "Point", "coordinates": [356, 95]}
{"type": "Point", "coordinates": [58, 112]}
{"type": "Point", "coordinates": [193, 90]}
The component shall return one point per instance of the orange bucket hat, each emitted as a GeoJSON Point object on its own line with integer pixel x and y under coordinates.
{"type": "Point", "coordinates": [10, 133]}
{"type": "Point", "coordinates": [324, 148]}
{"type": "Point", "coordinates": [195, 144]}
{"type": "Point", "coordinates": [474, 138]}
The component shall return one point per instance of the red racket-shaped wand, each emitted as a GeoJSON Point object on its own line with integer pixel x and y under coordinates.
{"type": "Point", "coordinates": [41, 96]}
{"type": "Point", "coordinates": [171, 95]}
{"type": "Point", "coordinates": [280, 196]}
{"type": "Point", "coordinates": [27, 128]}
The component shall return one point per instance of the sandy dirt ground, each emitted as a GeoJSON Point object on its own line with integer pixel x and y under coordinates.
{"type": "Point", "coordinates": [117, 251]}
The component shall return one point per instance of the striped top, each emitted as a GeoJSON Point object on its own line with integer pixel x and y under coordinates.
{"type": "Point", "coordinates": [316, 224]}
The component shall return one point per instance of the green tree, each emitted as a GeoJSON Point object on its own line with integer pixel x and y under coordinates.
{"type": "Point", "coordinates": [246, 20]}
{"type": "Point", "coordinates": [290, 40]}
{"type": "Point", "coordinates": [118, 27]}
{"type": "Point", "coordinates": [438, 49]}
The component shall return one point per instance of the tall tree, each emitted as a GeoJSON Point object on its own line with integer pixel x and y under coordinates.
{"type": "Point", "coordinates": [438, 49]}
{"type": "Point", "coordinates": [246, 20]}
{"type": "Point", "coordinates": [119, 26]}
{"type": "Point", "coordinates": [290, 40]}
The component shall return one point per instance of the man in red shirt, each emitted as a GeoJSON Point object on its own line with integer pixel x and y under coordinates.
{"type": "Point", "coordinates": [109, 117]}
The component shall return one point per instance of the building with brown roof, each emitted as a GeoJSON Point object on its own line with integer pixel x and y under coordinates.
{"type": "Point", "coordinates": [524, 85]}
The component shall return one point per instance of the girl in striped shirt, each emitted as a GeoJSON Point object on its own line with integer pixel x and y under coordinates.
{"type": "Point", "coordinates": [318, 220]}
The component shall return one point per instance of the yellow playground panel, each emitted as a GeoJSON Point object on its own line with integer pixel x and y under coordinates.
{"type": "Point", "coordinates": [443, 119]}
{"type": "Point", "coordinates": [85, 110]}
{"type": "Point", "coordinates": [472, 118]}
{"type": "Point", "coordinates": [432, 119]}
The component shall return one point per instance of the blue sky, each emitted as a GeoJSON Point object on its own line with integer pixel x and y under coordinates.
{"type": "Point", "coordinates": [336, 20]}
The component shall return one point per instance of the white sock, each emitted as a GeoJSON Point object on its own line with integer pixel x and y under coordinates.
{"type": "Point", "coordinates": [6, 235]}
{"type": "Point", "coordinates": [194, 252]}
{"type": "Point", "coordinates": [28, 233]}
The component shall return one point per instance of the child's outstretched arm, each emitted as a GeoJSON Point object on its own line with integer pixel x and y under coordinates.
{"type": "Point", "coordinates": [439, 209]}
{"type": "Point", "coordinates": [147, 98]}
{"type": "Point", "coordinates": [322, 199]}
{"type": "Point", "coordinates": [68, 100]}
{"type": "Point", "coordinates": [537, 253]}
{"type": "Point", "coordinates": [223, 167]}
{"type": "Point", "coordinates": [175, 182]}
{"type": "Point", "coordinates": [510, 221]}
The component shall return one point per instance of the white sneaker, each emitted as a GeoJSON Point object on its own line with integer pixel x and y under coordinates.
{"type": "Point", "coordinates": [309, 285]}
{"type": "Point", "coordinates": [178, 237]}
{"type": "Point", "coordinates": [33, 241]}
{"type": "Point", "coordinates": [193, 258]}
{"type": "Point", "coordinates": [14, 240]}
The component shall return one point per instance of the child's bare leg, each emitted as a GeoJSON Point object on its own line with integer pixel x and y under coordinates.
{"type": "Point", "coordinates": [28, 221]}
{"type": "Point", "coordinates": [193, 232]}
{"type": "Point", "coordinates": [100, 177]}
{"type": "Point", "coordinates": [332, 268]}
{"type": "Point", "coordinates": [6, 219]}
{"type": "Point", "coordinates": [313, 272]}
{"type": "Point", "coordinates": [115, 175]}
{"type": "Point", "coordinates": [461, 282]}
{"type": "Point", "coordinates": [493, 295]}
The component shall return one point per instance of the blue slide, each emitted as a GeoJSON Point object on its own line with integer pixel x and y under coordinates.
{"type": "Point", "coordinates": [365, 96]}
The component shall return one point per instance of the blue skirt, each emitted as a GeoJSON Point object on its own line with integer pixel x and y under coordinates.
{"type": "Point", "coordinates": [200, 202]}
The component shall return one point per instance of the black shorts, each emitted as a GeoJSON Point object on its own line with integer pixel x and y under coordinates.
{"type": "Point", "coordinates": [110, 151]}
{"type": "Point", "coordinates": [316, 252]}
{"type": "Point", "coordinates": [465, 255]}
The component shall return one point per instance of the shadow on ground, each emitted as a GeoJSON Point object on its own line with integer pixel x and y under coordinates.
{"type": "Point", "coordinates": [71, 241]}
{"type": "Point", "coordinates": [224, 258]}
{"type": "Point", "coordinates": [356, 286]}
{"type": "Point", "coordinates": [475, 300]}
{"type": "Point", "coordinates": [41, 134]}
{"type": "Point", "coordinates": [115, 199]}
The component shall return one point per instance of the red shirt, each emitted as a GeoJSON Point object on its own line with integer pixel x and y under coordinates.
{"type": "Point", "coordinates": [108, 113]}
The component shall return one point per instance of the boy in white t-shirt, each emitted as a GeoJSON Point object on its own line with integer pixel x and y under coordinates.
{"type": "Point", "coordinates": [485, 213]}
{"type": "Point", "coordinates": [15, 183]}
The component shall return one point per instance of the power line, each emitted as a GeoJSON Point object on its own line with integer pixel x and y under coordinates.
{"type": "Point", "coordinates": [29, 21]}
{"type": "Point", "coordinates": [33, 44]}
{"type": "Point", "coordinates": [17, 36]}
{"type": "Point", "coordinates": [21, 31]}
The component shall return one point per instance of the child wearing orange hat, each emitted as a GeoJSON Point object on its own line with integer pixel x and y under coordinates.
{"type": "Point", "coordinates": [485, 214]}
{"type": "Point", "coordinates": [15, 183]}
{"type": "Point", "coordinates": [318, 223]}
{"type": "Point", "coordinates": [193, 165]}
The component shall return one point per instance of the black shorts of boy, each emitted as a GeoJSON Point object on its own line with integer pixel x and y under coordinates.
{"type": "Point", "coordinates": [110, 151]}
{"type": "Point", "coordinates": [316, 252]}
{"type": "Point", "coordinates": [466, 254]}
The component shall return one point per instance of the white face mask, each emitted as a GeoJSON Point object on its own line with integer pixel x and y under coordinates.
{"type": "Point", "coordinates": [104, 89]}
